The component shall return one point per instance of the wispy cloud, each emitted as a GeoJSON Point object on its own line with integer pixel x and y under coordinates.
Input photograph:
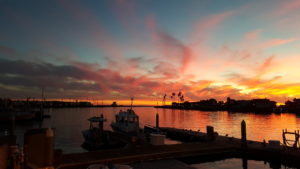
{"type": "Point", "coordinates": [253, 34]}
{"type": "Point", "coordinates": [8, 52]}
{"type": "Point", "coordinates": [277, 42]}
{"type": "Point", "coordinates": [285, 7]}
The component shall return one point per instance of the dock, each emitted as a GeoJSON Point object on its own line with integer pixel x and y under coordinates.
{"type": "Point", "coordinates": [195, 144]}
{"type": "Point", "coordinates": [144, 153]}
{"type": "Point", "coordinates": [194, 147]}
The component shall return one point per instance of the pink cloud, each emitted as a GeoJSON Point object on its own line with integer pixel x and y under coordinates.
{"type": "Point", "coordinates": [276, 42]}
{"type": "Point", "coordinates": [286, 7]}
{"type": "Point", "coordinates": [253, 34]}
{"type": "Point", "coordinates": [209, 23]}
{"type": "Point", "coordinates": [172, 48]}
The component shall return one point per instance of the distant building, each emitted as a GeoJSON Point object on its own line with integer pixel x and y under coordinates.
{"type": "Point", "coordinates": [114, 104]}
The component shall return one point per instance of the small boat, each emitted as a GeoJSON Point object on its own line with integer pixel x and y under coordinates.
{"type": "Point", "coordinates": [95, 137]}
{"type": "Point", "coordinates": [127, 122]}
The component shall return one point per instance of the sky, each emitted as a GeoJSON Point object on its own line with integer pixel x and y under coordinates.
{"type": "Point", "coordinates": [118, 49]}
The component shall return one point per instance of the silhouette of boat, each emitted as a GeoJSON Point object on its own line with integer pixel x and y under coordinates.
{"type": "Point", "coordinates": [127, 122]}
{"type": "Point", "coordinates": [94, 137]}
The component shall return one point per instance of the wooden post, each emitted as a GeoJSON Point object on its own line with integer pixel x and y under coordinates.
{"type": "Point", "coordinates": [243, 132]}
{"type": "Point", "coordinates": [157, 120]}
{"type": "Point", "coordinates": [210, 133]}
{"type": "Point", "coordinates": [245, 163]}
{"type": "Point", "coordinates": [49, 147]}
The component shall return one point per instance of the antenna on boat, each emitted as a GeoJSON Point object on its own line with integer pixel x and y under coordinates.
{"type": "Point", "coordinates": [102, 106]}
{"type": "Point", "coordinates": [43, 97]}
{"type": "Point", "coordinates": [131, 102]}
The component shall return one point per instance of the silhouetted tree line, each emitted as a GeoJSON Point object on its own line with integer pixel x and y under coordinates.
{"type": "Point", "coordinates": [292, 106]}
{"type": "Point", "coordinates": [254, 105]}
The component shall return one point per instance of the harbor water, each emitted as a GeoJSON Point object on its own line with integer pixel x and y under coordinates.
{"type": "Point", "coordinates": [69, 122]}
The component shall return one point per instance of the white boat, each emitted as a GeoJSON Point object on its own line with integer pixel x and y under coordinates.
{"type": "Point", "coordinates": [127, 122]}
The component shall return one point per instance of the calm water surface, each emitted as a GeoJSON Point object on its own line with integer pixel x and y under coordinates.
{"type": "Point", "coordinates": [69, 122]}
{"type": "Point", "coordinates": [236, 163]}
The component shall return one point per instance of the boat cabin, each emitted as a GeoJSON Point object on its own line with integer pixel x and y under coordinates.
{"type": "Point", "coordinates": [127, 117]}
{"type": "Point", "coordinates": [97, 120]}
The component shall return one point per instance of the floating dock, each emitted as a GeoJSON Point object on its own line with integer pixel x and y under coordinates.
{"type": "Point", "coordinates": [195, 144]}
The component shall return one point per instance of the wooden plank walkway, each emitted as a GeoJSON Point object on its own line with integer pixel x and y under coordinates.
{"type": "Point", "coordinates": [145, 153]}
{"type": "Point", "coordinates": [164, 164]}
{"type": "Point", "coordinates": [200, 146]}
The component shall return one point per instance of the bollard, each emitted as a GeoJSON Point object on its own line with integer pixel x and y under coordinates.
{"type": "Point", "coordinates": [157, 120]}
{"type": "Point", "coordinates": [245, 163]}
{"type": "Point", "coordinates": [210, 133]}
{"type": "Point", "coordinates": [49, 147]}
{"type": "Point", "coordinates": [39, 147]}
{"type": "Point", "coordinates": [243, 131]}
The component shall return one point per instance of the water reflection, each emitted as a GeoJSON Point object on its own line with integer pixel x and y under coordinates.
{"type": "Point", "coordinates": [236, 163]}
{"type": "Point", "coordinates": [71, 121]}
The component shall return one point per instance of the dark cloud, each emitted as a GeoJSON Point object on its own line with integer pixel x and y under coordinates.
{"type": "Point", "coordinates": [20, 74]}
{"type": "Point", "coordinates": [26, 68]}
{"type": "Point", "coordinates": [8, 52]}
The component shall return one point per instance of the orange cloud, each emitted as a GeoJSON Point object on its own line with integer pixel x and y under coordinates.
{"type": "Point", "coordinates": [265, 65]}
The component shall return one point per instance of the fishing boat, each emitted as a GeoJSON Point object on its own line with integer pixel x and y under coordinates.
{"type": "Point", "coordinates": [127, 122]}
{"type": "Point", "coordinates": [94, 137]}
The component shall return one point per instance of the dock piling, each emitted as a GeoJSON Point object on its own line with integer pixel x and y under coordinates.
{"type": "Point", "coordinates": [243, 132]}
{"type": "Point", "coordinates": [245, 163]}
{"type": "Point", "coordinates": [157, 120]}
{"type": "Point", "coordinates": [210, 133]}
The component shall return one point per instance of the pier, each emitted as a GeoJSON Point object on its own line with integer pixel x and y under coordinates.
{"type": "Point", "coordinates": [196, 145]}
{"type": "Point", "coordinates": [146, 153]}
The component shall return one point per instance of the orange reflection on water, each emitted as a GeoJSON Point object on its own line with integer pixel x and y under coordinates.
{"type": "Point", "coordinates": [70, 122]}
{"type": "Point", "coordinates": [259, 126]}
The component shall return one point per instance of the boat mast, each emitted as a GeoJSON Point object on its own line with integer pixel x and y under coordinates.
{"type": "Point", "coordinates": [131, 102]}
{"type": "Point", "coordinates": [102, 107]}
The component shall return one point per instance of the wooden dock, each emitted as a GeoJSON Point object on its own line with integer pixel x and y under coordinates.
{"type": "Point", "coordinates": [143, 153]}
{"type": "Point", "coordinates": [201, 146]}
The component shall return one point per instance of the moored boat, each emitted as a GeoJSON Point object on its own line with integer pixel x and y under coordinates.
{"type": "Point", "coordinates": [94, 137]}
{"type": "Point", "coordinates": [127, 122]}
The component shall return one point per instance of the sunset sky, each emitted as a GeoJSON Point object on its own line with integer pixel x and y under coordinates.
{"type": "Point", "coordinates": [114, 50]}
